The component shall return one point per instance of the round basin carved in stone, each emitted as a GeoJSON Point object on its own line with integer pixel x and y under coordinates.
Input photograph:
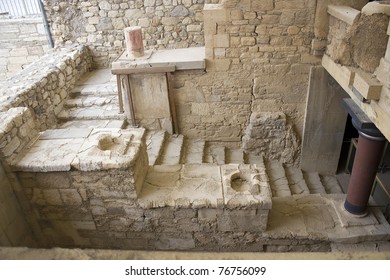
{"type": "Point", "coordinates": [113, 144]}
{"type": "Point", "coordinates": [240, 184]}
{"type": "Point", "coordinates": [244, 182]}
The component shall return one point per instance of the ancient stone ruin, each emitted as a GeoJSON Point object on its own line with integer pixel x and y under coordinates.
{"type": "Point", "coordinates": [198, 126]}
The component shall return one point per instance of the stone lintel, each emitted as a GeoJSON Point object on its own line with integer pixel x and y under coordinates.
{"type": "Point", "coordinates": [344, 13]}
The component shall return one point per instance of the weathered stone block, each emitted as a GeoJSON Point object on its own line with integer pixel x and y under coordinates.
{"type": "Point", "coordinates": [70, 197]}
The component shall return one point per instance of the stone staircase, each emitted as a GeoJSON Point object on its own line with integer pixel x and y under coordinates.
{"type": "Point", "coordinates": [165, 149]}
{"type": "Point", "coordinates": [92, 105]}
{"type": "Point", "coordinates": [96, 105]}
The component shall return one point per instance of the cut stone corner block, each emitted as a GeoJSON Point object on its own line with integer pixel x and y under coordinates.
{"type": "Point", "coordinates": [247, 199]}
{"type": "Point", "coordinates": [215, 13]}
{"type": "Point", "coordinates": [108, 149]}
{"type": "Point", "coordinates": [245, 186]}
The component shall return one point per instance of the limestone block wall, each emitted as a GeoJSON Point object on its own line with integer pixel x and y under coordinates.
{"type": "Point", "coordinates": [258, 57]}
{"type": "Point", "coordinates": [22, 42]}
{"type": "Point", "coordinates": [101, 209]}
{"type": "Point", "coordinates": [44, 85]}
{"type": "Point", "coordinates": [100, 24]}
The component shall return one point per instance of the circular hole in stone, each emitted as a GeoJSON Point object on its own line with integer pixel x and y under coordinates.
{"type": "Point", "coordinates": [107, 143]}
{"type": "Point", "coordinates": [240, 184]}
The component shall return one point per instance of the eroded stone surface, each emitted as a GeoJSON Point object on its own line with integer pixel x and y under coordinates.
{"type": "Point", "coordinates": [245, 187]}
{"type": "Point", "coordinates": [182, 186]}
{"type": "Point", "coordinates": [109, 149]}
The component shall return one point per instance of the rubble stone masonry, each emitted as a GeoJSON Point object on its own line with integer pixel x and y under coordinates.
{"type": "Point", "coordinates": [100, 24]}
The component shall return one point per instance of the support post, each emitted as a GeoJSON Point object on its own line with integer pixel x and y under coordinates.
{"type": "Point", "coordinates": [368, 155]}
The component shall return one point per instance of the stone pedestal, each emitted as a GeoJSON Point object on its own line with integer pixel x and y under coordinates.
{"type": "Point", "coordinates": [134, 43]}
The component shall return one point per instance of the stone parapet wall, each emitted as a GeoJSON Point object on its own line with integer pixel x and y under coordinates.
{"type": "Point", "coordinates": [100, 24]}
{"type": "Point", "coordinates": [22, 42]}
{"type": "Point", "coordinates": [44, 85]}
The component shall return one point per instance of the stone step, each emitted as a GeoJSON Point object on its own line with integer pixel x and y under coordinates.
{"type": "Point", "coordinates": [235, 156]}
{"type": "Point", "coordinates": [314, 183]}
{"type": "Point", "coordinates": [90, 100]}
{"type": "Point", "coordinates": [120, 124]}
{"type": "Point", "coordinates": [154, 141]}
{"type": "Point", "coordinates": [296, 180]}
{"type": "Point", "coordinates": [215, 154]}
{"type": "Point", "coordinates": [97, 90]}
{"type": "Point", "coordinates": [172, 150]}
{"type": "Point", "coordinates": [331, 184]}
{"type": "Point", "coordinates": [193, 151]}
{"type": "Point", "coordinates": [277, 179]}
{"type": "Point", "coordinates": [105, 112]}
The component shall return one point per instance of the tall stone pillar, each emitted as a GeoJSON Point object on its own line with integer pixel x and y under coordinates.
{"type": "Point", "coordinates": [134, 43]}
{"type": "Point", "coordinates": [368, 155]}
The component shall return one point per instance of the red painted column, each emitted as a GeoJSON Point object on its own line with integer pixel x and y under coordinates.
{"type": "Point", "coordinates": [367, 158]}
{"type": "Point", "coordinates": [134, 43]}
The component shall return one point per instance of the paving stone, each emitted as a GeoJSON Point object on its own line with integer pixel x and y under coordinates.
{"type": "Point", "coordinates": [172, 185]}
{"type": "Point", "coordinates": [50, 155]}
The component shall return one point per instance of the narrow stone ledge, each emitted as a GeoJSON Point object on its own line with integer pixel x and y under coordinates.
{"type": "Point", "coordinates": [344, 13]}
{"type": "Point", "coordinates": [81, 149]}
{"type": "Point", "coordinates": [179, 59]}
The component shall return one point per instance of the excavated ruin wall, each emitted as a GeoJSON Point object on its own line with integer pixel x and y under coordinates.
{"type": "Point", "coordinates": [44, 85]}
{"type": "Point", "coordinates": [100, 24]}
{"type": "Point", "coordinates": [258, 58]}
{"type": "Point", "coordinates": [28, 104]}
